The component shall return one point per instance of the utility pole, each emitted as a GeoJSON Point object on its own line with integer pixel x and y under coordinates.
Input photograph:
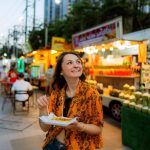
{"type": "Point", "coordinates": [26, 20]}
{"type": "Point", "coordinates": [14, 41]}
{"type": "Point", "coordinates": [47, 23]}
{"type": "Point", "coordinates": [8, 42]}
{"type": "Point", "coordinates": [34, 11]}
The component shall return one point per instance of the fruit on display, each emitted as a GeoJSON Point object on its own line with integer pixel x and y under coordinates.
{"type": "Point", "coordinates": [126, 96]}
{"type": "Point", "coordinates": [126, 102]}
{"type": "Point", "coordinates": [126, 87]}
{"type": "Point", "coordinates": [135, 99]}
{"type": "Point", "coordinates": [138, 107]}
{"type": "Point", "coordinates": [138, 94]}
{"type": "Point", "coordinates": [149, 111]}
{"type": "Point", "coordinates": [145, 99]}
{"type": "Point", "coordinates": [132, 98]}
{"type": "Point", "coordinates": [115, 92]}
{"type": "Point", "coordinates": [149, 100]}
{"type": "Point", "coordinates": [139, 101]}
{"type": "Point", "coordinates": [121, 95]}
{"type": "Point", "coordinates": [145, 109]}
{"type": "Point", "coordinates": [132, 88]}
{"type": "Point", "coordinates": [132, 104]}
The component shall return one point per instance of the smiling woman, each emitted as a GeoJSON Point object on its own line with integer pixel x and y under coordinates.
{"type": "Point", "coordinates": [72, 97]}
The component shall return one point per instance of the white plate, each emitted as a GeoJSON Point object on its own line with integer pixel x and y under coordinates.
{"type": "Point", "coordinates": [49, 120]}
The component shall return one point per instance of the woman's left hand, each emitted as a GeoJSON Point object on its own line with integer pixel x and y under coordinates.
{"type": "Point", "coordinates": [76, 125]}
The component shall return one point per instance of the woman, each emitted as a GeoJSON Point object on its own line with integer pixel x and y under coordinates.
{"type": "Point", "coordinates": [72, 97]}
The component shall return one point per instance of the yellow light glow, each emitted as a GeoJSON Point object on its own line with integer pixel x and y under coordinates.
{"type": "Point", "coordinates": [53, 51]}
{"type": "Point", "coordinates": [34, 52]}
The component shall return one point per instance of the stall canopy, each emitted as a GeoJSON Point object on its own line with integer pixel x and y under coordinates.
{"type": "Point", "coordinates": [141, 35]}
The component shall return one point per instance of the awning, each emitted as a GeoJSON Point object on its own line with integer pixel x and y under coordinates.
{"type": "Point", "coordinates": [138, 36]}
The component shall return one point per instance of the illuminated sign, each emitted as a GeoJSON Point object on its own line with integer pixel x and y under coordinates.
{"type": "Point", "coordinates": [102, 33]}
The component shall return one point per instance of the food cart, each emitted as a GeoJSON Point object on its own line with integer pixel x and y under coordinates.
{"type": "Point", "coordinates": [113, 59]}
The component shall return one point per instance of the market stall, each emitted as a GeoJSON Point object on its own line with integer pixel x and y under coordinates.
{"type": "Point", "coordinates": [135, 128]}
{"type": "Point", "coordinates": [111, 60]}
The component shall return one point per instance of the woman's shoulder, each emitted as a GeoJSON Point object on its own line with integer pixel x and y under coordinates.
{"type": "Point", "coordinates": [89, 88]}
{"type": "Point", "coordinates": [55, 91]}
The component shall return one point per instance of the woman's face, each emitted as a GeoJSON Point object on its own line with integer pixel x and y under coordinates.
{"type": "Point", "coordinates": [71, 66]}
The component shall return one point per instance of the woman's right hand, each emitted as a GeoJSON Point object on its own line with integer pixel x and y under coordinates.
{"type": "Point", "coordinates": [42, 101]}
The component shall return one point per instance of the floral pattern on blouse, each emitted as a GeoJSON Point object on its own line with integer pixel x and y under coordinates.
{"type": "Point", "coordinates": [87, 106]}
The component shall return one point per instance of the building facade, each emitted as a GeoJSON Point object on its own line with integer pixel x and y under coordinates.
{"type": "Point", "coordinates": [56, 9]}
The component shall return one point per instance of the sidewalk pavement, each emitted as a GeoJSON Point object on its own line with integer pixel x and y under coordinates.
{"type": "Point", "coordinates": [31, 138]}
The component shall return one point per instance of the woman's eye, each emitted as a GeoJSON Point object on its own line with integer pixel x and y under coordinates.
{"type": "Point", "coordinates": [79, 62]}
{"type": "Point", "coordinates": [69, 62]}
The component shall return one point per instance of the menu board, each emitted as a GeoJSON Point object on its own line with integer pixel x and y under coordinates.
{"type": "Point", "coordinates": [145, 75]}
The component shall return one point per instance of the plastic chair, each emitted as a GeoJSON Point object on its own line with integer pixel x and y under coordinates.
{"type": "Point", "coordinates": [6, 93]}
{"type": "Point", "coordinates": [18, 101]}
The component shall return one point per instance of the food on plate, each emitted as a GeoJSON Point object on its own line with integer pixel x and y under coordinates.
{"type": "Point", "coordinates": [61, 119]}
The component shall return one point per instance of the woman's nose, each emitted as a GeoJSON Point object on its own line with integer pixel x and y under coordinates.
{"type": "Point", "coordinates": [75, 64]}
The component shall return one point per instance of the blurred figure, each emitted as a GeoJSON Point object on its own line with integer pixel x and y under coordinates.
{"type": "Point", "coordinates": [12, 75]}
{"type": "Point", "coordinates": [27, 74]}
{"type": "Point", "coordinates": [4, 73]}
{"type": "Point", "coordinates": [21, 85]}
{"type": "Point", "coordinates": [49, 75]}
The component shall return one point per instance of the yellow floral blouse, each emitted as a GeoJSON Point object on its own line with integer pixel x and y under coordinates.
{"type": "Point", "coordinates": [87, 106]}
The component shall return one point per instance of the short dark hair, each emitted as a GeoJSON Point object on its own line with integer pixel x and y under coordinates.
{"type": "Point", "coordinates": [21, 75]}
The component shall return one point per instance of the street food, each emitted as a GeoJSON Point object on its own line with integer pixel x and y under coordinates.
{"type": "Point", "coordinates": [61, 119]}
{"type": "Point", "coordinates": [52, 119]}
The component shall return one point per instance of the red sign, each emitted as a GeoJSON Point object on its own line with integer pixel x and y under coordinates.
{"type": "Point", "coordinates": [98, 34]}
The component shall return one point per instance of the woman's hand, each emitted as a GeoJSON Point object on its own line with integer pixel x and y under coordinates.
{"type": "Point", "coordinates": [76, 125]}
{"type": "Point", "coordinates": [42, 101]}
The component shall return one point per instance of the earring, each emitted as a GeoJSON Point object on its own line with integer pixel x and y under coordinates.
{"type": "Point", "coordinates": [61, 74]}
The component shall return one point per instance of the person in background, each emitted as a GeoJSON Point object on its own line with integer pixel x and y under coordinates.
{"type": "Point", "coordinates": [21, 85]}
{"type": "Point", "coordinates": [72, 97]}
{"type": "Point", "coordinates": [49, 74]}
{"type": "Point", "coordinates": [27, 74]}
{"type": "Point", "coordinates": [12, 75]}
{"type": "Point", "coordinates": [3, 73]}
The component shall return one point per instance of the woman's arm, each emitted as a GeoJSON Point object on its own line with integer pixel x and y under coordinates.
{"type": "Point", "coordinates": [87, 128]}
{"type": "Point", "coordinates": [42, 105]}
{"type": "Point", "coordinates": [95, 114]}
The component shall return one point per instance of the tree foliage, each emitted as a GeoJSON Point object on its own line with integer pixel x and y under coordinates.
{"type": "Point", "coordinates": [85, 15]}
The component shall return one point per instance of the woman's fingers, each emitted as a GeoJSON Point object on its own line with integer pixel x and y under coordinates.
{"type": "Point", "coordinates": [73, 126]}
{"type": "Point", "coordinates": [42, 101]}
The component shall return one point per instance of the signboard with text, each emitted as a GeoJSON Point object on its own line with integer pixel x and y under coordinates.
{"type": "Point", "coordinates": [58, 43]}
{"type": "Point", "coordinates": [102, 33]}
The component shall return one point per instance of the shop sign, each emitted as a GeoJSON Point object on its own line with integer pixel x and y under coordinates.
{"type": "Point", "coordinates": [58, 43]}
{"type": "Point", "coordinates": [103, 33]}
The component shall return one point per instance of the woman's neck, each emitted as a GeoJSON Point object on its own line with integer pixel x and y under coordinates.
{"type": "Point", "coordinates": [71, 88]}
